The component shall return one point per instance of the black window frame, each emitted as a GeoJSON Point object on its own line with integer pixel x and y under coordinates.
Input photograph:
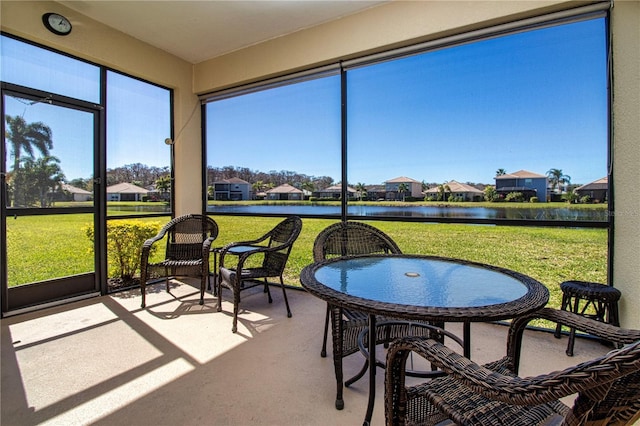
{"type": "Point", "coordinates": [594, 11]}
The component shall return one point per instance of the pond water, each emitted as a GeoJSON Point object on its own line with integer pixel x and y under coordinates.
{"type": "Point", "coordinates": [422, 211]}
{"type": "Point", "coordinates": [147, 208]}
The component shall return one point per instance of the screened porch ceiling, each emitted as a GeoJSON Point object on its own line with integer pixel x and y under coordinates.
{"type": "Point", "coordinates": [179, 27]}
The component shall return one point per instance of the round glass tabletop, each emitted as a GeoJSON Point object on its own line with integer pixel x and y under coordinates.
{"type": "Point", "coordinates": [420, 281]}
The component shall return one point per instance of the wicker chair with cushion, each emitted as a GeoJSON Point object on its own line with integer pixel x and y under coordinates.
{"type": "Point", "coordinates": [348, 239]}
{"type": "Point", "coordinates": [274, 247]}
{"type": "Point", "coordinates": [189, 239]}
{"type": "Point", "coordinates": [608, 387]}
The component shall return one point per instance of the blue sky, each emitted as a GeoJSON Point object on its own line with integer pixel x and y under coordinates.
{"type": "Point", "coordinates": [71, 143]}
{"type": "Point", "coordinates": [533, 101]}
{"type": "Point", "coordinates": [138, 118]}
{"type": "Point", "coordinates": [72, 133]}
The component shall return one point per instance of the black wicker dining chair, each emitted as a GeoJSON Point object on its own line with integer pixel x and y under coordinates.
{"type": "Point", "coordinates": [608, 387]}
{"type": "Point", "coordinates": [188, 242]}
{"type": "Point", "coordinates": [274, 247]}
{"type": "Point", "coordinates": [347, 239]}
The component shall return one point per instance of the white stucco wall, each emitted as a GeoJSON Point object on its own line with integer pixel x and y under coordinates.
{"type": "Point", "coordinates": [625, 21]}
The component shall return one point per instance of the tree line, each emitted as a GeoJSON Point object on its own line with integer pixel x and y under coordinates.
{"type": "Point", "coordinates": [267, 180]}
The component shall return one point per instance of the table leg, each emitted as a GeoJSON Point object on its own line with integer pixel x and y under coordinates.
{"type": "Point", "coordinates": [466, 337]}
{"type": "Point", "coordinates": [215, 271]}
{"type": "Point", "coordinates": [372, 369]}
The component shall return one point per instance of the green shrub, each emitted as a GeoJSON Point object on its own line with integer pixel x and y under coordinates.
{"type": "Point", "coordinates": [514, 196]}
{"type": "Point", "coordinates": [490, 194]}
{"type": "Point", "coordinates": [124, 245]}
{"type": "Point", "coordinates": [533, 200]}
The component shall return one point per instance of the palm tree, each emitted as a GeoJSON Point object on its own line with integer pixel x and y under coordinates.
{"type": "Point", "coordinates": [257, 188]}
{"type": "Point", "coordinates": [443, 189]}
{"type": "Point", "coordinates": [163, 184]}
{"type": "Point", "coordinates": [36, 181]}
{"type": "Point", "coordinates": [556, 178]}
{"type": "Point", "coordinates": [25, 137]}
{"type": "Point", "coordinates": [361, 190]}
{"type": "Point", "coordinates": [501, 172]}
{"type": "Point", "coordinates": [308, 186]}
{"type": "Point", "coordinates": [402, 189]}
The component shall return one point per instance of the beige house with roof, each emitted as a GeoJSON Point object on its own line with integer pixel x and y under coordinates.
{"type": "Point", "coordinates": [597, 191]}
{"type": "Point", "coordinates": [125, 192]}
{"type": "Point", "coordinates": [75, 193]}
{"type": "Point", "coordinates": [334, 191]}
{"type": "Point", "coordinates": [458, 190]}
{"type": "Point", "coordinates": [392, 186]}
{"type": "Point", "coordinates": [285, 192]}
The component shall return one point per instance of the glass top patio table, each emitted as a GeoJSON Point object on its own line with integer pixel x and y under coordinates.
{"type": "Point", "coordinates": [424, 288]}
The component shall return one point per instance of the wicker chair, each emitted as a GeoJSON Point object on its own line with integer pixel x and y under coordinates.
{"type": "Point", "coordinates": [274, 247]}
{"type": "Point", "coordinates": [608, 387]}
{"type": "Point", "coordinates": [348, 239]}
{"type": "Point", "coordinates": [189, 240]}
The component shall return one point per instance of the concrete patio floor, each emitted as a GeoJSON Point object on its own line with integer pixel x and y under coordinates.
{"type": "Point", "coordinates": [105, 361]}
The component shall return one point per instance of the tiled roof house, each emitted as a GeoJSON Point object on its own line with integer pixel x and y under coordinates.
{"type": "Point", "coordinates": [284, 192]}
{"type": "Point", "coordinates": [232, 189]}
{"type": "Point", "coordinates": [392, 185]}
{"type": "Point", "coordinates": [125, 192]}
{"type": "Point", "coordinates": [528, 183]}
{"type": "Point", "coordinates": [457, 189]}
{"type": "Point", "coordinates": [334, 191]}
{"type": "Point", "coordinates": [596, 190]}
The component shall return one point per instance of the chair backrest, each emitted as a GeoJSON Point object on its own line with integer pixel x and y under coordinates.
{"type": "Point", "coordinates": [185, 235]}
{"type": "Point", "coordinates": [352, 238]}
{"type": "Point", "coordinates": [282, 235]}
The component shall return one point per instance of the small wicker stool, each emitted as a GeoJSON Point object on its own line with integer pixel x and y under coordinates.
{"type": "Point", "coordinates": [603, 298]}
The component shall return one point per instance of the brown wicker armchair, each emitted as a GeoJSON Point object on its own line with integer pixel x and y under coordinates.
{"type": "Point", "coordinates": [189, 239]}
{"type": "Point", "coordinates": [608, 387]}
{"type": "Point", "coordinates": [274, 247]}
{"type": "Point", "coordinates": [347, 239]}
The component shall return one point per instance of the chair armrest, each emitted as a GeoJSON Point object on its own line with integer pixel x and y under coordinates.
{"type": "Point", "coordinates": [224, 249]}
{"type": "Point", "coordinates": [146, 246]}
{"type": "Point", "coordinates": [206, 248]}
{"type": "Point", "coordinates": [160, 235]}
{"type": "Point", "coordinates": [236, 275]}
{"type": "Point", "coordinates": [512, 389]}
{"type": "Point", "coordinates": [242, 257]}
{"type": "Point", "coordinates": [588, 325]}
{"type": "Point", "coordinates": [228, 249]}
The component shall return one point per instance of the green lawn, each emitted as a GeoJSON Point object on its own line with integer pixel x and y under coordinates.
{"type": "Point", "coordinates": [550, 255]}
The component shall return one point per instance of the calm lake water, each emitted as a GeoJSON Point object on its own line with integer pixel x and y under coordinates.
{"type": "Point", "coordinates": [423, 211]}
{"type": "Point", "coordinates": [404, 211]}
